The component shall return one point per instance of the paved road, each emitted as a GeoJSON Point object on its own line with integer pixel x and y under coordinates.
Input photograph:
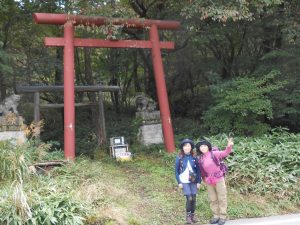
{"type": "Point", "coordinates": [292, 219]}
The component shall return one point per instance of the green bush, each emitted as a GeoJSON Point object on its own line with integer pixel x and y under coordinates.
{"type": "Point", "coordinates": [13, 161]}
{"type": "Point", "coordinates": [269, 165]}
{"type": "Point", "coordinates": [18, 208]}
{"type": "Point", "coordinates": [33, 200]}
{"type": "Point", "coordinates": [16, 158]}
{"type": "Point", "coordinates": [242, 105]}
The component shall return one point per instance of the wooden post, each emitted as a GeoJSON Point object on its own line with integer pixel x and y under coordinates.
{"type": "Point", "coordinates": [36, 107]}
{"type": "Point", "coordinates": [102, 129]}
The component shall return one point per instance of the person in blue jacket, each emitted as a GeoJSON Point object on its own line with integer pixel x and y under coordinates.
{"type": "Point", "coordinates": [187, 172]}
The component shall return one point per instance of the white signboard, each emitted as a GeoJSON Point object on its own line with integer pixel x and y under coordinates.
{"type": "Point", "coordinates": [123, 154]}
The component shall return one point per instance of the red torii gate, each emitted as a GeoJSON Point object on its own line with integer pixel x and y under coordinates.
{"type": "Point", "coordinates": [69, 42]}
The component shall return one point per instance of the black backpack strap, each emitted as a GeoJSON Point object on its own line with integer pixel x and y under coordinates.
{"type": "Point", "coordinates": [180, 163]}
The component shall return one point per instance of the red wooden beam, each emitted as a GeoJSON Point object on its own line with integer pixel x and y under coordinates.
{"type": "Point", "coordinates": [61, 19]}
{"type": "Point", "coordinates": [80, 42]}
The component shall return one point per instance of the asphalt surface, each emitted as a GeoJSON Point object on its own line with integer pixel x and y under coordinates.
{"type": "Point", "coordinates": [291, 219]}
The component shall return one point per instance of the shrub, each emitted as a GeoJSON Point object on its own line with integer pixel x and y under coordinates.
{"type": "Point", "coordinates": [13, 161]}
{"type": "Point", "coordinates": [35, 209]}
{"type": "Point", "coordinates": [32, 200]}
{"type": "Point", "coordinates": [242, 105]}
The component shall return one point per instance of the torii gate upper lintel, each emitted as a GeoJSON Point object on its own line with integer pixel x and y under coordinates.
{"type": "Point", "coordinates": [69, 42]}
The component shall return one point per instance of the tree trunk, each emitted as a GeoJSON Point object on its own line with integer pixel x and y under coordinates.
{"type": "Point", "coordinates": [113, 58]}
{"type": "Point", "coordinates": [150, 88]}
{"type": "Point", "coordinates": [78, 74]}
{"type": "Point", "coordinates": [88, 72]}
{"type": "Point", "coordinates": [137, 86]}
{"type": "Point", "coordinates": [58, 69]}
{"type": "Point", "coordinates": [101, 136]}
{"type": "Point", "coordinates": [2, 87]}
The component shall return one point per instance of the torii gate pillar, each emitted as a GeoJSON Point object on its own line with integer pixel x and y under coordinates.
{"type": "Point", "coordinates": [161, 90]}
{"type": "Point", "coordinates": [69, 94]}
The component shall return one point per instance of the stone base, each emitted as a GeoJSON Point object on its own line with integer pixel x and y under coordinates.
{"type": "Point", "coordinates": [150, 134]}
{"type": "Point", "coordinates": [152, 117]}
{"type": "Point", "coordinates": [11, 122]}
{"type": "Point", "coordinates": [15, 136]}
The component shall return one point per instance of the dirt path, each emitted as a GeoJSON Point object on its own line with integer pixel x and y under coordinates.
{"type": "Point", "coordinates": [131, 193]}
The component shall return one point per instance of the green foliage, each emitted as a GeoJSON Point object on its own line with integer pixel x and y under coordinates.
{"type": "Point", "coordinates": [217, 41]}
{"type": "Point", "coordinates": [286, 101]}
{"type": "Point", "coordinates": [185, 127]}
{"type": "Point", "coordinates": [15, 158]}
{"type": "Point", "coordinates": [269, 165]}
{"type": "Point", "coordinates": [51, 207]}
{"type": "Point", "coordinates": [58, 209]}
{"type": "Point", "coordinates": [12, 161]}
{"type": "Point", "coordinates": [86, 139]}
{"type": "Point", "coordinates": [242, 105]}
{"type": "Point", "coordinates": [231, 9]}
{"type": "Point", "coordinates": [33, 200]}
{"type": "Point", "coordinates": [263, 180]}
{"type": "Point", "coordinates": [14, 205]}
{"type": "Point", "coordinates": [5, 64]}
{"type": "Point", "coordinates": [6, 69]}
{"type": "Point", "coordinates": [228, 40]}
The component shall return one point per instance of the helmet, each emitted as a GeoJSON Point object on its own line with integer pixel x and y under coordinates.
{"type": "Point", "coordinates": [184, 141]}
{"type": "Point", "coordinates": [203, 142]}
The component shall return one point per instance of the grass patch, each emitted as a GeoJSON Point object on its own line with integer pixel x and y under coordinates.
{"type": "Point", "coordinates": [144, 190]}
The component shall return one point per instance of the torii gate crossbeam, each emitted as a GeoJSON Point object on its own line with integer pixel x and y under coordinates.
{"type": "Point", "coordinates": [69, 42]}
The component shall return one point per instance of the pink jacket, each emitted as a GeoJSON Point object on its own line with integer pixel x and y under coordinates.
{"type": "Point", "coordinates": [210, 167]}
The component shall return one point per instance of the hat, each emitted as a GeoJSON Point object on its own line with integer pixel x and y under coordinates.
{"type": "Point", "coordinates": [184, 141]}
{"type": "Point", "coordinates": [203, 142]}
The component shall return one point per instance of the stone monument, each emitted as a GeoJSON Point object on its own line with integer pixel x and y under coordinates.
{"type": "Point", "coordinates": [150, 132]}
{"type": "Point", "coordinates": [11, 123]}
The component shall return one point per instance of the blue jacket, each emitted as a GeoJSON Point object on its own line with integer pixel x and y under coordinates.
{"type": "Point", "coordinates": [181, 164]}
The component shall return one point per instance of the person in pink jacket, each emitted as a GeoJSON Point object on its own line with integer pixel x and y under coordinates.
{"type": "Point", "coordinates": [214, 178]}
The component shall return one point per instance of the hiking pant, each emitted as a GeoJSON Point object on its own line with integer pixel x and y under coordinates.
{"type": "Point", "coordinates": [217, 195]}
{"type": "Point", "coordinates": [190, 203]}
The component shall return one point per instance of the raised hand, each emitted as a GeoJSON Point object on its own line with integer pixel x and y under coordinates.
{"type": "Point", "coordinates": [229, 142]}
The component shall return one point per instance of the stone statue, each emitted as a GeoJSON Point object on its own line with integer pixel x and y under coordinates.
{"type": "Point", "coordinates": [144, 103]}
{"type": "Point", "coordinates": [10, 104]}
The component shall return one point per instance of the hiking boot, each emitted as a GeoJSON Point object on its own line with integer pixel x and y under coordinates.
{"type": "Point", "coordinates": [188, 218]}
{"type": "Point", "coordinates": [193, 218]}
{"type": "Point", "coordinates": [214, 221]}
{"type": "Point", "coordinates": [221, 221]}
